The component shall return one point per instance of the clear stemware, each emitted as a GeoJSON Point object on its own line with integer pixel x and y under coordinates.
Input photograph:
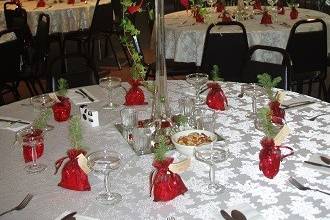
{"type": "Point", "coordinates": [129, 120]}
{"type": "Point", "coordinates": [197, 80]}
{"type": "Point", "coordinates": [253, 90]}
{"type": "Point", "coordinates": [211, 155]}
{"type": "Point", "coordinates": [205, 119]}
{"type": "Point", "coordinates": [110, 83]}
{"type": "Point", "coordinates": [104, 161]}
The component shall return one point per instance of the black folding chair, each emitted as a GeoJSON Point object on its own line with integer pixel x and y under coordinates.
{"type": "Point", "coordinates": [253, 68]}
{"type": "Point", "coordinates": [11, 52]}
{"type": "Point", "coordinates": [308, 51]}
{"type": "Point", "coordinates": [227, 50]}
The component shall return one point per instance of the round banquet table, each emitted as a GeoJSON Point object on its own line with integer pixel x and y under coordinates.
{"type": "Point", "coordinates": [63, 17]}
{"type": "Point", "coordinates": [185, 38]}
{"type": "Point", "coordinates": [244, 182]}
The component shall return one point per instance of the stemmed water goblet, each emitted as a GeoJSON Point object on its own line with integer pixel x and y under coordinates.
{"type": "Point", "coordinates": [212, 154]}
{"type": "Point", "coordinates": [129, 120]}
{"type": "Point", "coordinates": [197, 80]}
{"type": "Point", "coordinates": [103, 162]}
{"type": "Point", "coordinates": [253, 90]}
{"type": "Point", "coordinates": [205, 119]}
{"type": "Point", "coordinates": [273, 7]}
{"type": "Point", "coordinates": [110, 83]}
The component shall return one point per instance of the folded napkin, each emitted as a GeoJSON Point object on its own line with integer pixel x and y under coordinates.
{"type": "Point", "coordinates": [249, 212]}
{"type": "Point", "coordinates": [77, 216]}
{"type": "Point", "coordinates": [79, 99]}
{"type": "Point", "coordinates": [13, 124]}
{"type": "Point", "coordinates": [316, 159]}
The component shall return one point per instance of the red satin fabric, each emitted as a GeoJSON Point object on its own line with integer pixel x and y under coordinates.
{"type": "Point", "coordinates": [257, 5]}
{"type": "Point", "coordinates": [294, 13]}
{"type": "Point", "coordinates": [135, 95]}
{"type": "Point", "coordinates": [165, 184]}
{"type": "Point", "coordinates": [220, 7]}
{"type": "Point", "coordinates": [266, 18]}
{"type": "Point", "coordinates": [73, 177]}
{"type": "Point", "coordinates": [27, 149]}
{"type": "Point", "coordinates": [277, 113]}
{"type": "Point", "coordinates": [41, 3]}
{"type": "Point", "coordinates": [62, 110]}
{"type": "Point", "coordinates": [216, 98]}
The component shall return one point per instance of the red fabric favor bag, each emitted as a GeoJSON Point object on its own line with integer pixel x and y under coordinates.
{"type": "Point", "coordinates": [73, 177]}
{"type": "Point", "coordinates": [135, 95]}
{"type": "Point", "coordinates": [216, 98]}
{"type": "Point", "coordinates": [164, 184]}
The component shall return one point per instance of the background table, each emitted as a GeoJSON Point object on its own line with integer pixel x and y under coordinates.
{"type": "Point", "coordinates": [185, 38]}
{"type": "Point", "coordinates": [63, 17]}
{"type": "Point", "coordinates": [272, 198]}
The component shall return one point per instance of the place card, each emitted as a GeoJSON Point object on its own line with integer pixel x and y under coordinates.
{"type": "Point", "coordinates": [281, 135]}
{"type": "Point", "coordinates": [280, 96]}
{"type": "Point", "coordinates": [180, 166]}
{"type": "Point", "coordinates": [82, 162]}
{"type": "Point", "coordinates": [54, 97]}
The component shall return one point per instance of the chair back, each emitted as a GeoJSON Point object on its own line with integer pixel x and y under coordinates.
{"type": "Point", "coordinates": [230, 2]}
{"type": "Point", "coordinates": [10, 58]}
{"type": "Point", "coordinates": [253, 68]}
{"type": "Point", "coordinates": [102, 21]}
{"type": "Point", "coordinates": [41, 43]}
{"type": "Point", "coordinates": [227, 50]}
{"type": "Point", "coordinates": [308, 50]}
{"type": "Point", "coordinates": [81, 71]}
{"type": "Point", "coordinates": [17, 18]}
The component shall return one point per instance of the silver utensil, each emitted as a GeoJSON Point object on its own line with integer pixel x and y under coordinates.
{"type": "Point", "coordinates": [20, 206]}
{"type": "Point", "coordinates": [237, 215]}
{"type": "Point", "coordinates": [11, 122]}
{"type": "Point", "coordinates": [69, 216]}
{"type": "Point", "coordinates": [297, 104]}
{"type": "Point", "coordinates": [316, 164]}
{"type": "Point", "coordinates": [225, 215]}
{"type": "Point", "coordinates": [325, 159]}
{"type": "Point", "coordinates": [298, 185]}
{"type": "Point", "coordinates": [78, 92]}
{"type": "Point", "coordinates": [316, 116]}
{"type": "Point", "coordinates": [170, 218]}
{"type": "Point", "coordinates": [89, 98]}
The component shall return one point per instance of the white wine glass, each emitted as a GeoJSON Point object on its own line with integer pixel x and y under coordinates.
{"type": "Point", "coordinates": [212, 154]}
{"type": "Point", "coordinates": [103, 162]}
{"type": "Point", "coordinates": [110, 83]}
{"type": "Point", "coordinates": [197, 80]}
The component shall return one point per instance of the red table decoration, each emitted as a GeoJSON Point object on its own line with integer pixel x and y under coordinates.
{"type": "Point", "coordinates": [135, 95]}
{"type": "Point", "coordinates": [226, 17]}
{"type": "Point", "coordinates": [62, 110]}
{"type": "Point", "coordinates": [266, 18]}
{"type": "Point", "coordinates": [277, 113]}
{"type": "Point", "coordinates": [257, 5]}
{"type": "Point", "coordinates": [73, 177]}
{"type": "Point", "coordinates": [71, 1]}
{"type": "Point", "coordinates": [199, 18]}
{"type": "Point", "coordinates": [164, 184]}
{"type": "Point", "coordinates": [35, 135]}
{"type": "Point", "coordinates": [216, 98]}
{"type": "Point", "coordinates": [220, 7]}
{"type": "Point", "coordinates": [294, 13]}
{"type": "Point", "coordinates": [41, 3]}
{"type": "Point", "coordinates": [270, 157]}
{"type": "Point", "coordinates": [280, 8]}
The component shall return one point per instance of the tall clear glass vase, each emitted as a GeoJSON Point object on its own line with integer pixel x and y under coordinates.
{"type": "Point", "coordinates": [161, 114]}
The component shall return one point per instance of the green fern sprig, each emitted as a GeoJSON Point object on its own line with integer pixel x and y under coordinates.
{"type": "Point", "coordinates": [266, 81]}
{"type": "Point", "coordinates": [41, 121]}
{"type": "Point", "coordinates": [63, 86]}
{"type": "Point", "coordinates": [215, 73]}
{"type": "Point", "coordinates": [75, 132]}
{"type": "Point", "coordinates": [268, 127]}
{"type": "Point", "coordinates": [161, 149]}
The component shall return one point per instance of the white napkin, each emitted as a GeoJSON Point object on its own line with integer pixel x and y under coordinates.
{"type": "Point", "coordinates": [316, 159]}
{"type": "Point", "coordinates": [78, 99]}
{"type": "Point", "coordinates": [77, 216]}
{"type": "Point", "coordinates": [298, 100]}
{"type": "Point", "coordinates": [247, 210]}
{"type": "Point", "coordinates": [14, 126]}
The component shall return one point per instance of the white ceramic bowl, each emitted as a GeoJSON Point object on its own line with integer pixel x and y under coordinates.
{"type": "Point", "coordinates": [186, 149]}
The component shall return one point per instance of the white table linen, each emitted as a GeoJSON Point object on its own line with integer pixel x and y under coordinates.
{"type": "Point", "coordinates": [244, 182]}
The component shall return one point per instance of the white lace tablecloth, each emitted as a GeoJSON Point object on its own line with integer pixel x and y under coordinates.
{"type": "Point", "coordinates": [271, 198]}
{"type": "Point", "coordinates": [63, 17]}
{"type": "Point", "coordinates": [185, 38]}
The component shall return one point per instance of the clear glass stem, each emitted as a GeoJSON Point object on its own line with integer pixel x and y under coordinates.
{"type": "Point", "coordinates": [107, 183]}
{"type": "Point", "coordinates": [109, 97]}
{"type": "Point", "coordinates": [212, 175]}
{"type": "Point", "coordinates": [254, 106]}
